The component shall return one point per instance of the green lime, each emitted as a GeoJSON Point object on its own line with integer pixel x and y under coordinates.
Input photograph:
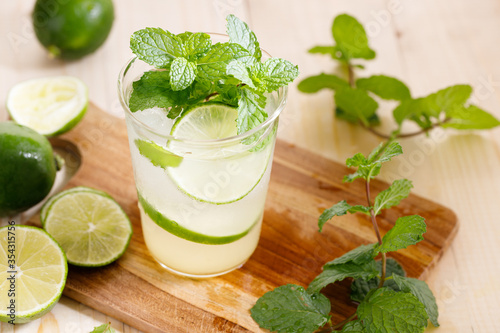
{"type": "Point", "coordinates": [217, 173]}
{"type": "Point", "coordinates": [72, 29]}
{"type": "Point", "coordinates": [48, 203]}
{"type": "Point", "coordinates": [51, 106]}
{"type": "Point", "coordinates": [185, 233]}
{"type": "Point", "coordinates": [27, 169]}
{"type": "Point", "coordinates": [40, 273]}
{"type": "Point", "coordinates": [91, 227]}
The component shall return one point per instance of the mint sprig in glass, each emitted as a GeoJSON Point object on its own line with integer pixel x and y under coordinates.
{"type": "Point", "coordinates": [202, 114]}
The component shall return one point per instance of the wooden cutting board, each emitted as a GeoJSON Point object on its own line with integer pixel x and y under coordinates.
{"type": "Point", "coordinates": [137, 291]}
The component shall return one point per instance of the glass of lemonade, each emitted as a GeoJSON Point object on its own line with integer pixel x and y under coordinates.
{"type": "Point", "coordinates": [201, 187]}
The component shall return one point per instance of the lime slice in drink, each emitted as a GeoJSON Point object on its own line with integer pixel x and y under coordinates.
{"type": "Point", "coordinates": [91, 227]}
{"type": "Point", "coordinates": [48, 203]}
{"type": "Point", "coordinates": [50, 106]}
{"type": "Point", "coordinates": [41, 271]}
{"type": "Point", "coordinates": [215, 173]}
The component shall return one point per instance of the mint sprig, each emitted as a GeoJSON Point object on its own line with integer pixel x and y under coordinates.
{"type": "Point", "coordinates": [356, 98]}
{"type": "Point", "coordinates": [191, 70]}
{"type": "Point", "coordinates": [291, 308]}
{"type": "Point", "coordinates": [388, 300]}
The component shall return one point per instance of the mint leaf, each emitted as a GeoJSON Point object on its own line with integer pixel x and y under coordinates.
{"type": "Point", "coordinates": [359, 255]}
{"type": "Point", "coordinates": [447, 99]}
{"type": "Point", "coordinates": [182, 74]}
{"type": "Point", "coordinates": [385, 87]}
{"type": "Point", "coordinates": [421, 290]}
{"type": "Point", "coordinates": [291, 309]}
{"type": "Point", "coordinates": [351, 39]}
{"type": "Point", "coordinates": [355, 326]}
{"type": "Point", "coordinates": [156, 46]}
{"type": "Point", "coordinates": [157, 155]}
{"type": "Point", "coordinates": [364, 171]}
{"type": "Point", "coordinates": [338, 272]}
{"type": "Point", "coordinates": [407, 231]}
{"type": "Point", "coordinates": [315, 83]}
{"type": "Point", "coordinates": [361, 287]}
{"type": "Point", "coordinates": [378, 155]}
{"type": "Point", "coordinates": [104, 328]}
{"type": "Point", "coordinates": [240, 33]}
{"type": "Point", "coordinates": [392, 196]}
{"type": "Point", "coordinates": [409, 109]}
{"type": "Point", "coordinates": [333, 51]}
{"type": "Point", "coordinates": [386, 310]}
{"type": "Point", "coordinates": [197, 44]}
{"type": "Point", "coordinates": [356, 161]}
{"type": "Point", "coordinates": [356, 103]}
{"type": "Point", "coordinates": [339, 209]}
{"type": "Point", "coordinates": [153, 89]}
{"type": "Point", "coordinates": [277, 73]}
{"type": "Point", "coordinates": [212, 66]}
{"type": "Point", "coordinates": [340, 114]}
{"type": "Point", "coordinates": [240, 71]}
{"type": "Point", "coordinates": [251, 111]}
{"type": "Point", "coordinates": [470, 117]}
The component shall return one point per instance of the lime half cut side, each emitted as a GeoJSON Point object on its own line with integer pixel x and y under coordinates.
{"type": "Point", "coordinates": [91, 227]}
{"type": "Point", "coordinates": [40, 273]}
{"type": "Point", "coordinates": [51, 106]}
{"type": "Point", "coordinates": [52, 199]}
{"type": "Point", "coordinates": [216, 173]}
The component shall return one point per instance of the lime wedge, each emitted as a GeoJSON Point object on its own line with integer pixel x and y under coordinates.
{"type": "Point", "coordinates": [41, 271]}
{"type": "Point", "coordinates": [91, 227]}
{"type": "Point", "coordinates": [48, 203]}
{"type": "Point", "coordinates": [50, 106]}
{"type": "Point", "coordinates": [214, 173]}
{"type": "Point", "coordinates": [178, 230]}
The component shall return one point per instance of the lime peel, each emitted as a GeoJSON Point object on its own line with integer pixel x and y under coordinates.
{"type": "Point", "coordinates": [32, 301]}
{"type": "Point", "coordinates": [176, 229]}
{"type": "Point", "coordinates": [90, 225]}
{"type": "Point", "coordinates": [51, 106]}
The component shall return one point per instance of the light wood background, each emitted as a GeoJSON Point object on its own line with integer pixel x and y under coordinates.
{"type": "Point", "coordinates": [428, 44]}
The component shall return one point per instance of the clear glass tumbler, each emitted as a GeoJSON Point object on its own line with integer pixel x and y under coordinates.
{"type": "Point", "coordinates": [201, 215]}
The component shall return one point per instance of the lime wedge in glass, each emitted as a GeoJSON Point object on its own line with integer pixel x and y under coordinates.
{"type": "Point", "coordinates": [41, 271]}
{"type": "Point", "coordinates": [214, 174]}
{"type": "Point", "coordinates": [91, 227]}
{"type": "Point", "coordinates": [51, 106]}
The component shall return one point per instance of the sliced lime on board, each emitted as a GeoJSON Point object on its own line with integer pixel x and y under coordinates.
{"type": "Point", "coordinates": [41, 271]}
{"type": "Point", "coordinates": [215, 174]}
{"type": "Point", "coordinates": [91, 227]}
{"type": "Point", "coordinates": [51, 106]}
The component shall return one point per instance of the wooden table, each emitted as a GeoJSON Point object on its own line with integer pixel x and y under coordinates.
{"type": "Point", "coordinates": [428, 44]}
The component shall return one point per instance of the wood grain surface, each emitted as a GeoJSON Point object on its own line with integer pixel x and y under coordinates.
{"type": "Point", "coordinates": [138, 291]}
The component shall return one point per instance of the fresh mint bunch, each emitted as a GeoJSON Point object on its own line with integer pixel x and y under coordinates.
{"type": "Point", "coordinates": [388, 300]}
{"type": "Point", "coordinates": [356, 100]}
{"type": "Point", "coordinates": [191, 70]}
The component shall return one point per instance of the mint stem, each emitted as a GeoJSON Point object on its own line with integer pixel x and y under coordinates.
{"type": "Point", "coordinates": [404, 135]}
{"type": "Point", "coordinates": [350, 74]}
{"type": "Point", "coordinates": [343, 322]}
{"type": "Point", "coordinates": [375, 225]}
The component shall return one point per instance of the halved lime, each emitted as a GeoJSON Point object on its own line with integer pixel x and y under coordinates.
{"type": "Point", "coordinates": [48, 203]}
{"type": "Point", "coordinates": [51, 106]}
{"type": "Point", "coordinates": [40, 273]}
{"type": "Point", "coordinates": [91, 227]}
{"type": "Point", "coordinates": [214, 173]}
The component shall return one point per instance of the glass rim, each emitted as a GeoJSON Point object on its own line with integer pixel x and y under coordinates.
{"type": "Point", "coordinates": [282, 98]}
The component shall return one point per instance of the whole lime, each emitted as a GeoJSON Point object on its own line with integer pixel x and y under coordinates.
{"type": "Point", "coordinates": [71, 29]}
{"type": "Point", "coordinates": [27, 170]}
